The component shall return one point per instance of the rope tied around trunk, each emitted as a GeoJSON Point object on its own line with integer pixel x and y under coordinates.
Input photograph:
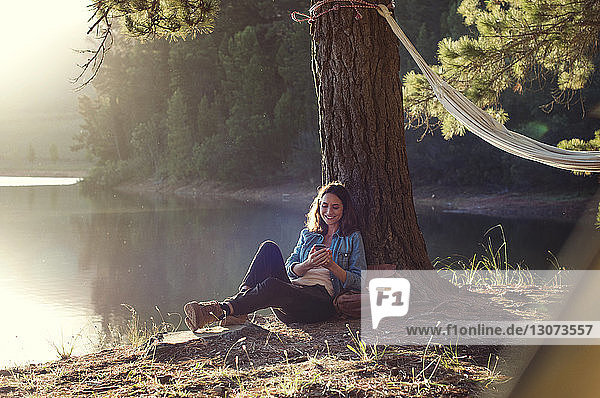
{"type": "Point", "coordinates": [318, 9]}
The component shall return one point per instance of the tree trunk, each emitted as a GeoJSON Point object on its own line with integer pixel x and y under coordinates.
{"type": "Point", "coordinates": [361, 126]}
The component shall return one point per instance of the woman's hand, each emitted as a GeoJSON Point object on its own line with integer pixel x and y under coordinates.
{"type": "Point", "coordinates": [329, 264]}
{"type": "Point", "coordinates": [328, 260]}
{"type": "Point", "coordinates": [318, 257]}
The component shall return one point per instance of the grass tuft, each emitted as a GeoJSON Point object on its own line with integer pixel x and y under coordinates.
{"type": "Point", "coordinates": [138, 333]}
{"type": "Point", "coordinates": [65, 347]}
{"type": "Point", "coordinates": [366, 353]}
{"type": "Point", "coordinates": [491, 268]}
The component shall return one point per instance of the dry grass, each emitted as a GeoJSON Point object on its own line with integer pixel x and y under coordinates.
{"type": "Point", "coordinates": [271, 360]}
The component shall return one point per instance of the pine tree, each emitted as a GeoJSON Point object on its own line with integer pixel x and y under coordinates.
{"type": "Point", "coordinates": [515, 42]}
{"type": "Point", "coordinates": [295, 115]}
{"type": "Point", "coordinates": [132, 87]}
{"type": "Point", "coordinates": [149, 141]}
{"type": "Point", "coordinates": [180, 138]}
{"type": "Point", "coordinates": [211, 117]}
{"type": "Point", "coordinates": [367, 153]}
{"type": "Point", "coordinates": [250, 80]}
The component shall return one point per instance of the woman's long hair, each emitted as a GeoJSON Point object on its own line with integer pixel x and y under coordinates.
{"type": "Point", "coordinates": [348, 222]}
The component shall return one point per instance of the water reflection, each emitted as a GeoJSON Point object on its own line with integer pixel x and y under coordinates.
{"type": "Point", "coordinates": [164, 255]}
{"type": "Point", "coordinates": [528, 242]}
{"type": "Point", "coordinates": [69, 261]}
{"type": "Point", "coordinates": [45, 300]}
{"type": "Point", "coordinates": [36, 181]}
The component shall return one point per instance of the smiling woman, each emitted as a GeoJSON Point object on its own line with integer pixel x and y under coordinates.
{"type": "Point", "coordinates": [327, 259]}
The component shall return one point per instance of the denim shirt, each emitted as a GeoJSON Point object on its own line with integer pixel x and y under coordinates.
{"type": "Point", "coordinates": [347, 251]}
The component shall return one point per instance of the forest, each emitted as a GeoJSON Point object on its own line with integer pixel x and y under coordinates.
{"type": "Point", "coordinates": [238, 105]}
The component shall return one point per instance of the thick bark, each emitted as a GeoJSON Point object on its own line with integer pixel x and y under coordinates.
{"type": "Point", "coordinates": [356, 67]}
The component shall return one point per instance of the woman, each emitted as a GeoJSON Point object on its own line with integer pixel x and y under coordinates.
{"type": "Point", "coordinates": [328, 257]}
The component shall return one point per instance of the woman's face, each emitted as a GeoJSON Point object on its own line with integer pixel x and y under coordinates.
{"type": "Point", "coordinates": [331, 210]}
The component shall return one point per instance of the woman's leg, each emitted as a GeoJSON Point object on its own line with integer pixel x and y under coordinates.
{"type": "Point", "coordinates": [291, 303]}
{"type": "Point", "coordinates": [269, 286]}
{"type": "Point", "coordinates": [267, 262]}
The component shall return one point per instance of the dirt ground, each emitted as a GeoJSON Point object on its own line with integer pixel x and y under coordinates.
{"type": "Point", "coordinates": [269, 358]}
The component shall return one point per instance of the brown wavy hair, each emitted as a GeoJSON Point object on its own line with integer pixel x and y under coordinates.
{"type": "Point", "coordinates": [348, 222]}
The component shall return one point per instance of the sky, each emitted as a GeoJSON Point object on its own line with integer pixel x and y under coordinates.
{"type": "Point", "coordinates": [37, 39]}
{"type": "Point", "coordinates": [38, 104]}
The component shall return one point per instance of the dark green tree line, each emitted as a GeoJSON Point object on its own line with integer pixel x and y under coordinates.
{"type": "Point", "coordinates": [530, 64]}
{"type": "Point", "coordinates": [239, 105]}
{"type": "Point", "coordinates": [236, 105]}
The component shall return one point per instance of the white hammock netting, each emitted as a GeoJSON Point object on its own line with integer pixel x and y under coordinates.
{"type": "Point", "coordinates": [489, 129]}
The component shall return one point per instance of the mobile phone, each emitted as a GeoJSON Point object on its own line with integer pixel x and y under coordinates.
{"type": "Point", "coordinates": [320, 246]}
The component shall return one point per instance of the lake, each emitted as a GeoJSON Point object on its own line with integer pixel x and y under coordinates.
{"type": "Point", "coordinates": [68, 260]}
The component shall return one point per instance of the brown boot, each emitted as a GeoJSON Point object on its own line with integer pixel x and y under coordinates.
{"type": "Point", "coordinates": [188, 323]}
{"type": "Point", "coordinates": [190, 315]}
{"type": "Point", "coordinates": [201, 314]}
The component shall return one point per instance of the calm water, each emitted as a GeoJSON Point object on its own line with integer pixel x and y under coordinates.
{"type": "Point", "coordinates": [36, 181]}
{"type": "Point", "coordinates": [69, 261]}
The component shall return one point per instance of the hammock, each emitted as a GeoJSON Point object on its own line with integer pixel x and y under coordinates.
{"type": "Point", "coordinates": [489, 129]}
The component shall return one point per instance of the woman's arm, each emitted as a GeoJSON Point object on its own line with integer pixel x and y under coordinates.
{"type": "Point", "coordinates": [350, 278]}
{"type": "Point", "coordinates": [316, 259]}
{"type": "Point", "coordinates": [295, 266]}
{"type": "Point", "coordinates": [335, 269]}
{"type": "Point", "coordinates": [357, 263]}
{"type": "Point", "coordinates": [294, 258]}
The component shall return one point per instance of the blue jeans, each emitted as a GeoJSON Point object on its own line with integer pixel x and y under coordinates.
{"type": "Point", "coordinates": [271, 287]}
